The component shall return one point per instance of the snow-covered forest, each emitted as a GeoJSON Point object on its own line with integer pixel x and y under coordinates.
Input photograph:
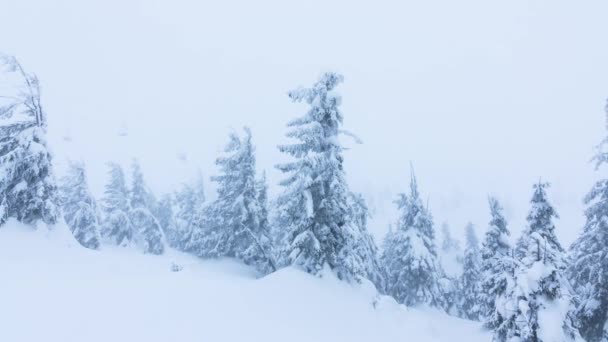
{"type": "Point", "coordinates": [104, 238]}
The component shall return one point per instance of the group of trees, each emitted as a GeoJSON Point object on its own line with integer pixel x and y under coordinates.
{"type": "Point", "coordinates": [319, 225]}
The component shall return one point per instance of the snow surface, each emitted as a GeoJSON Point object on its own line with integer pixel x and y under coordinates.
{"type": "Point", "coordinates": [54, 290]}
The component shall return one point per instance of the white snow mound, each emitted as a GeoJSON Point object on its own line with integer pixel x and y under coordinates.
{"type": "Point", "coordinates": [54, 290]}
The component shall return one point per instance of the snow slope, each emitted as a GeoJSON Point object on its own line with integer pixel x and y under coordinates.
{"type": "Point", "coordinates": [52, 289]}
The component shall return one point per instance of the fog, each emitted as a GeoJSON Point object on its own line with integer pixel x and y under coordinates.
{"type": "Point", "coordinates": [482, 97]}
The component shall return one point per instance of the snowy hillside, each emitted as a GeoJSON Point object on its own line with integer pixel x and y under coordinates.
{"type": "Point", "coordinates": [55, 290]}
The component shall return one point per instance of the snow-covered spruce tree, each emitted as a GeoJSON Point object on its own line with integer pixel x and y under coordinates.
{"type": "Point", "coordinates": [189, 217]}
{"type": "Point", "coordinates": [79, 207]}
{"type": "Point", "coordinates": [588, 271]}
{"type": "Point", "coordinates": [365, 248]}
{"type": "Point", "coordinates": [237, 225]}
{"type": "Point", "coordinates": [314, 207]}
{"type": "Point", "coordinates": [448, 243]}
{"type": "Point", "coordinates": [470, 281]}
{"type": "Point", "coordinates": [497, 266]}
{"type": "Point", "coordinates": [117, 225]}
{"type": "Point", "coordinates": [28, 191]}
{"type": "Point", "coordinates": [412, 265]}
{"type": "Point", "coordinates": [540, 293]}
{"type": "Point", "coordinates": [164, 213]}
{"type": "Point", "coordinates": [145, 227]}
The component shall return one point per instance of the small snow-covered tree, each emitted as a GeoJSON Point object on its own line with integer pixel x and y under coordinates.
{"type": "Point", "coordinates": [189, 215]}
{"type": "Point", "coordinates": [588, 271]}
{"type": "Point", "coordinates": [164, 213]}
{"type": "Point", "coordinates": [449, 244]}
{"type": "Point", "coordinates": [28, 191]}
{"type": "Point", "coordinates": [470, 281]}
{"type": "Point", "coordinates": [237, 222]}
{"type": "Point", "coordinates": [79, 207]}
{"type": "Point", "coordinates": [145, 226]}
{"type": "Point", "coordinates": [537, 301]}
{"type": "Point", "coordinates": [117, 225]}
{"type": "Point", "coordinates": [497, 265]}
{"type": "Point", "coordinates": [365, 247]}
{"type": "Point", "coordinates": [412, 266]}
{"type": "Point", "coordinates": [314, 208]}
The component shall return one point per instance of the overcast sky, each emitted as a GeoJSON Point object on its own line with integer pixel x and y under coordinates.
{"type": "Point", "coordinates": [483, 97]}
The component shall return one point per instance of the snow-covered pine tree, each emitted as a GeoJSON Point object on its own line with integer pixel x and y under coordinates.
{"type": "Point", "coordinates": [588, 271]}
{"type": "Point", "coordinates": [28, 191]}
{"type": "Point", "coordinates": [365, 247]}
{"type": "Point", "coordinates": [79, 207]}
{"type": "Point", "coordinates": [540, 293]}
{"type": "Point", "coordinates": [449, 244]}
{"type": "Point", "coordinates": [314, 208]}
{"type": "Point", "coordinates": [117, 225]}
{"type": "Point", "coordinates": [164, 213]}
{"type": "Point", "coordinates": [189, 217]}
{"type": "Point", "coordinates": [412, 266]}
{"type": "Point", "coordinates": [470, 281]}
{"type": "Point", "coordinates": [497, 265]}
{"type": "Point", "coordinates": [238, 225]}
{"type": "Point", "coordinates": [145, 227]}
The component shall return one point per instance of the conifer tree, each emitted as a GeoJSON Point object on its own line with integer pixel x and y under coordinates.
{"type": "Point", "coordinates": [189, 217]}
{"type": "Point", "coordinates": [28, 191]}
{"type": "Point", "coordinates": [366, 250]}
{"type": "Point", "coordinates": [413, 271]}
{"type": "Point", "coordinates": [164, 213]}
{"type": "Point", "coordinates": [79, 207]}
{"type": "Point", "coordinates": [470, 281]}
{"type": "Point", "coordinates": [238, 224]}
{"type": "Point", "coordinates": [497, 265]}
{"type": "Point", "coordinates": [588, 270]}
{"type": "Point", "coordinates": [145, 226]}
{"type": "Point", "coordinates": [117, 225]}
{"type": "Point", "coordinates": [314, 207]}
{"type": "Point", "coordinates": [539, 285]}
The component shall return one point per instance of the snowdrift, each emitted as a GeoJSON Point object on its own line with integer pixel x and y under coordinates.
{"type": "Point", "coordinates": [51, 289]}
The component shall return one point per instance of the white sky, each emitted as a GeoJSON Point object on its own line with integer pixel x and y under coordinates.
{"type": "Point", "coordinates": [482, 96]}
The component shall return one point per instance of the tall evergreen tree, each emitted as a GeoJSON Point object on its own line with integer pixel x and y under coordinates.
{"type": "Point", "coordinates": [588, 270]}
{"type": "Point", "coordinates": [497, 265]}
{"type": "Point", "coordinates": [540, 286]}
{"type": "Point", "coordinates": [145, 227]}
{"type": "Point", "coordinates": [28, 191]}
{"type": "Point", "coordinates": [238, 225]}
{"type": "Point", "coordinates": [117, 226]}
{"type": "Point", "coordinates": [79, 207]}
{"type": "Point", "coordinates": [413, 271]}
{"type": "Point", "coordinates": [314, 208]}
{"type": "Point", "coordinates": [470, 281]}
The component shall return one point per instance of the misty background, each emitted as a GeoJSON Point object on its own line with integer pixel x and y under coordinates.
{"type": "Point", "coordinates": [482, 97]}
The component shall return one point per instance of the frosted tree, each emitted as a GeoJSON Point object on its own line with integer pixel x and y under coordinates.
{"type": "Point", "coordinates": [588, 270]}
{"type": "Point", "coordinates": [449, 244]}
{"type": "Point", "coordinates": [366, 250]}
{"type": "Point", "coordinates": [238, 223]}
{"type": "Point", "coordinates": [497, 265]}
{"type": "Point", "coordinates": [28, 191]}
{"type": "Point", "coordinates": [540, 291]}
{"type": "Point", "coordinates": [164, 213]}
{"type": "Point", "coordinates": [189, 214]}
{"type": "Point", "coordinates": [470, 281]}
{"type": "Point", "coordinates": [413, 271]}
{"type": "Point", "coordinates": [145, 227]}
{"type": "Point", "coordinates": [314, 207]}
{"type": "Point", "coordinates": [79, 207]}
{"type": "Point", "coordinates": [117, 225]}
